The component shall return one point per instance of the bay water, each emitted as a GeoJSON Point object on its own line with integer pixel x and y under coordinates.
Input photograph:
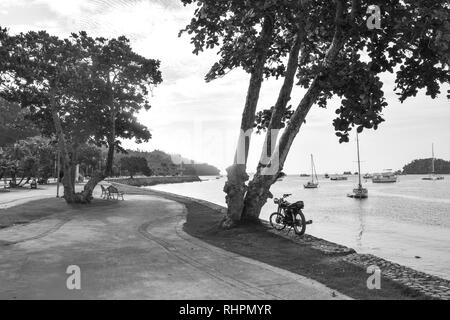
{"type": "Point", "coordinates": [407, 222]}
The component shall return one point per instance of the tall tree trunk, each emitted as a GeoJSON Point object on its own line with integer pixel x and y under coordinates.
{"type": "Point", "coordinates": [257, 192]}
{"type": "Point", "coordinates": [69, 191]}
{"type": "Point", "coordinates": [23, 177]}
{"type": "Point", "coordinates": [259, 188]}
{"type": "Point", "coordinates": [111, 145]}
{"type": "Point", "coordinates": [86, 195]}
{"type": "Point", "coordinates": [235, 187]}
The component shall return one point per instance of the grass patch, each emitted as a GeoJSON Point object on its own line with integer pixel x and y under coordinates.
{"type": "Point", "coordinates": [45, 208]}
{"type": "Point", "coordinates": [259, 244]}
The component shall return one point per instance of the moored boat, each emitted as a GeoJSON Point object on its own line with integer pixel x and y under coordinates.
{"type": "Point", "coordinates": [386, 177]}
{"type": "Point", "coordinates": [314, 183]}
{"type": "Point", "coordinates": [338, 178]}
{"type": "Point", "coordinates": [433, 176]}
{"type": "Point", "coordinates": [359, 192]}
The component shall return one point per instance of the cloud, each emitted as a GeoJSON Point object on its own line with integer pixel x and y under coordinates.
{"type": "Point", "coordinates": [70, 8]}
{"type": "Point", "coordinates": [201, 120]}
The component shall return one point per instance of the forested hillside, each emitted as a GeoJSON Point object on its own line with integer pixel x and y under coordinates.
{"type": "Point", "coordinates": [423, 166]}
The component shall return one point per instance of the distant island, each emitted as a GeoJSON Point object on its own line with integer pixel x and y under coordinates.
{"type": "Point", "coordinates": [423, 166]}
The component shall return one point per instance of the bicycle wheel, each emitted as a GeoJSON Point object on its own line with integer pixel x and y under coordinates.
{"type": "Point", "coordinates": [277, 221]}
{"type": "Point", "coordinates": [299, 223]}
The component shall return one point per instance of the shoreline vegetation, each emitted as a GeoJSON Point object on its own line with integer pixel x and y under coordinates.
{"type": "Point", "coordinates": [152, 181]}
{"type": "Point", "coordinates": [423, 166]}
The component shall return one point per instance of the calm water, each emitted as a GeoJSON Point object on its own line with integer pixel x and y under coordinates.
{"type": "Point", "coordinates": [397, 222]}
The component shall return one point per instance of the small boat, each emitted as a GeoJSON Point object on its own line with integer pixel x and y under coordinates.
{"type": "Point", "coordinates": [386, 177]}
{"type": "Point", "coordinates": [304, 175]}
{"type": "Point", "coordinates": [368, 176]}
{"type": "Point", "coordinates": [327, 176]}
{"type": "Point", "coordinates": [347, 173]}
{"type": "Point", "coordinates": [359, 192]}
{"type": "Point", "coordinates": [433, 176]}
{"type": "Point", "coordinates": [338, 178]}
{"type": "Point", "coordinates": [314, 183]}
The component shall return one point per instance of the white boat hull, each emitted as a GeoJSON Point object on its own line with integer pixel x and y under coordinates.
{"type": "Point", "coordinates": [385, 180]}
{"type": "Point", "coordinates": [311, 185]}
{"type": "Point", "coordinates": [433, 178]}
{"type": "Point", "coordinates": [359, 193]}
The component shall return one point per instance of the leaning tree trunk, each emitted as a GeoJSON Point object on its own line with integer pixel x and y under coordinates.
{"type": "Point", "coordinates": [257, 192]}
{"type": "Point", "coordinates": [69, 191]}
{"type": "Point", "coordinates": [259, 188]}
{"type": "Point", "coordinates": [235, 187]}
{"type": "Point", "coordinates": [86, 195]}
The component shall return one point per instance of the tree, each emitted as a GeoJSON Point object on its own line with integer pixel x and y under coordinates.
{"type": "Point", "coordinates": [14, 124]}
{"type": "Point", "coordinates": [32, 157]}
{"type": "Point", "coordinates": [134, 165]}
{"type": "Point", "coordinates": [423, 166]}
{"type": "Point", "coordinates": [249, 31]}
{"type": "Point", "coordinates": [80, 90]}
{"type": "Point", "coordinates": [333, 53]}
{"type": "Point", "coordinates": [89, 158]}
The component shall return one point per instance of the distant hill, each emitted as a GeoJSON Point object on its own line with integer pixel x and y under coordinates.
{"type": "Point", "coordinates": [423, 166]}
{"type": "Point", "coordinates": [200, 169]}
{"type": "Point", "coordinates": [161, 164]}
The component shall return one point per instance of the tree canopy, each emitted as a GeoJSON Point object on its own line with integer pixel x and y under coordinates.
{"type": "Point", "coordinates": [133, 165]}
{"type": "Point", "coordinates": [80, 89]}
{"type": "Point", "coordinates": [331, 49]}
{"type": "Point", "coordinates": [423, 166]}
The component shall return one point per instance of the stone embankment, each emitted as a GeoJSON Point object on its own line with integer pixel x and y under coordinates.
{"type": "Point", "coordinates": [152, 181]}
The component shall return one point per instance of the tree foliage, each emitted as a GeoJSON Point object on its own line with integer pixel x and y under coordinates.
{"type": "Point", "coordinates": [14, 124]}
{"type": "Point", "coordinates": [81, 90]}
{"type": "Point", "coordinates": [135, 165]}
{"type": "Point", "coordinates": [30, 158]}
{"type": "Point", "coordinates": [423, 166]}
{"type": "Point", "coordinates": [340, 56]}
{"type": "Point", "coordinates": [413, 43]}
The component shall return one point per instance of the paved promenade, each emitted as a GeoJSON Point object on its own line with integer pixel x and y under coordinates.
{"type": "Point", "coordinates": [133, 249]}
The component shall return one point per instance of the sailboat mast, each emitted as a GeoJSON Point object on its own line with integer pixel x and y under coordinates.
{"type": "Point", "coordinates": [359, 161]}
{"type": "Point", "coordinates": [432, 159]}
{"type": "Point", "coordinates": [312, 169]}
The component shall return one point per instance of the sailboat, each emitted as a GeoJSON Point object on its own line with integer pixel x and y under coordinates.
{"type": "Point", "coordinates": [314, 183]}
{"type": "Point", "coordinates": [359, 192]}
{"type": "Point", "coordinates": [433, 176]}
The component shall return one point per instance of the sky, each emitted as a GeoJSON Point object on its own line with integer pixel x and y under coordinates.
{"type": "Point", "coordinates": [201, 120]}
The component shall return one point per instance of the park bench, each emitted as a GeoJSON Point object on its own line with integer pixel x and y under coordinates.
{"type": "Point", "coordinates": [42, 181]}
{"type": "Point", "coordinates": [104, 192]}
{"type": "Point", "coordinates": [114, 193]}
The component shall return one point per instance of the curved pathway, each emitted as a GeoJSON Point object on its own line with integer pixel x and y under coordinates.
{"type": "Point", "coordinates": [135, 249]}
